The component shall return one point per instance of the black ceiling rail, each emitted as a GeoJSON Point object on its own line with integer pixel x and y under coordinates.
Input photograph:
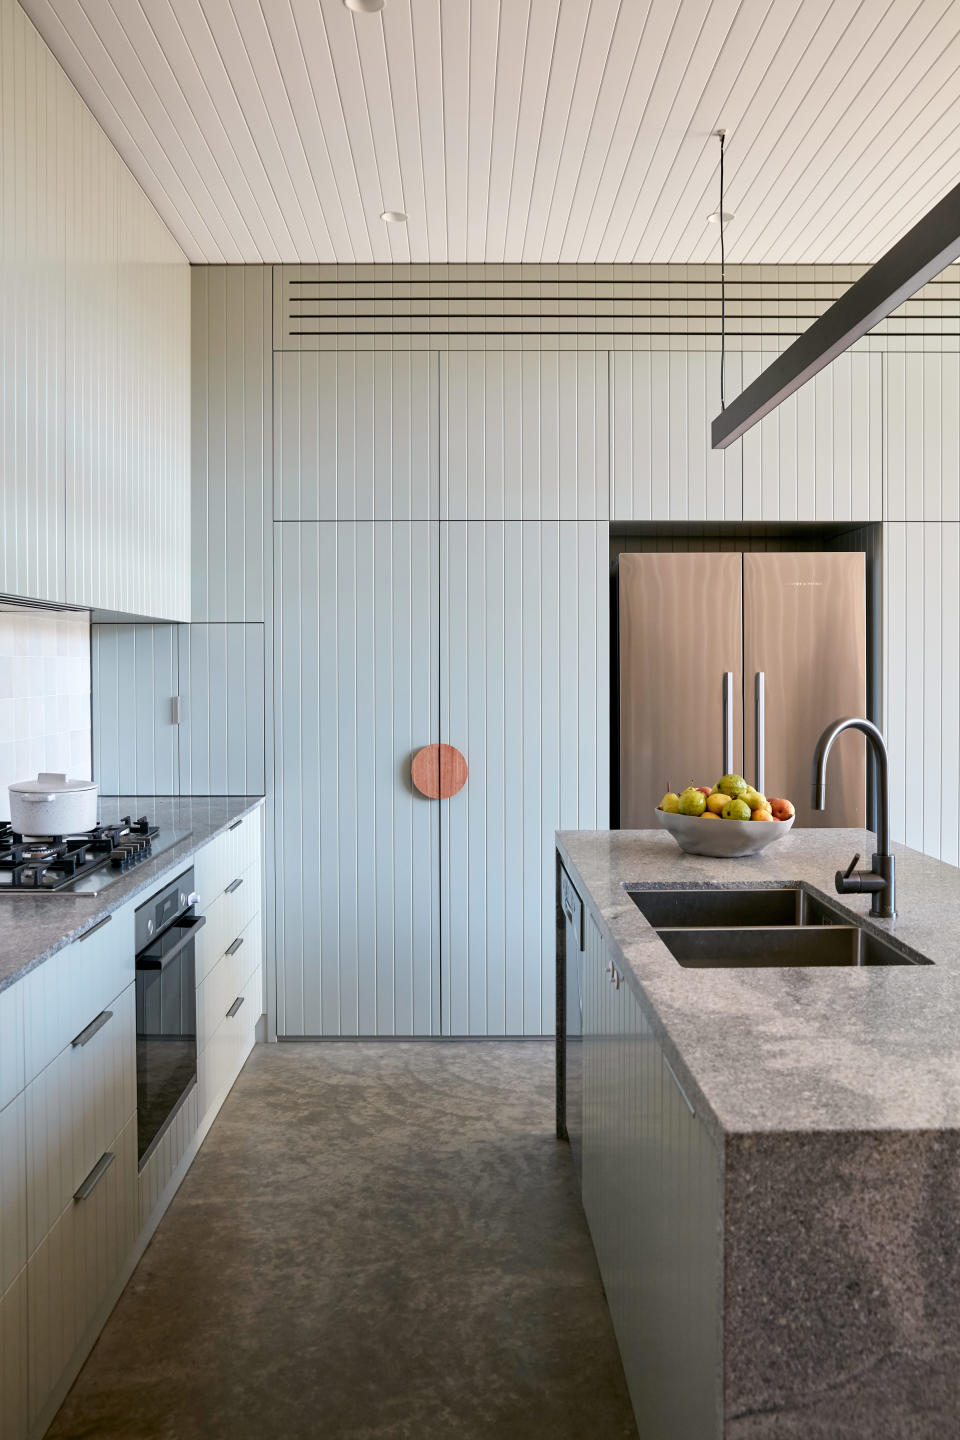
{"type": "Point", "coordinates": [922, 253]}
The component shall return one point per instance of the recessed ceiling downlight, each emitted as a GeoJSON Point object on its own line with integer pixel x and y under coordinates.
{"type": "Point", "coordinates": [393, 217]}
{"type": "Point", "coordinates": [716, 216]}
{"type": "Point", "coordinates": [364, 7]}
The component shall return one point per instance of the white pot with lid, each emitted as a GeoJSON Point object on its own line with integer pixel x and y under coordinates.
{"type": "Point", "coordinates": [53, 805]}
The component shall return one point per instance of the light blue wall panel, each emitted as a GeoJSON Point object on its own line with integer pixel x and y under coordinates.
{"type": "Point", "coordinates": [355, 694]}
{"type": "Point", "coordinates": [525, 696]}
{"type": "Point", "coordinates": [135, 676]}
{"type": "Point", "coordinates": [818, 457]}
{"type": "Point", "coordinates": [221, 670]}
{"type": "Point", "coordinates": [355, 436]}
{"type": "Point", "coordinates": [524, 435]}
{"type": "Point", "coordinates": [232, 422]}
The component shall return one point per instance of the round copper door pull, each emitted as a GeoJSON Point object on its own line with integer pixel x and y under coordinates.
{"type": "Point", "coordinates": [438, 771]}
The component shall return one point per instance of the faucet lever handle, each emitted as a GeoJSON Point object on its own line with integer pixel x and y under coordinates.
{"type": "Point", "coordinates": [851, 867]}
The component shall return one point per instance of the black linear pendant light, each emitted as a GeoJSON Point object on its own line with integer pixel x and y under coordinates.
{"type": "Point", "coordinates": [922, 253]}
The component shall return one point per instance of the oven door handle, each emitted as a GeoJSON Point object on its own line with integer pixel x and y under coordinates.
{"type": "Point", "coordinates": [148, 960]}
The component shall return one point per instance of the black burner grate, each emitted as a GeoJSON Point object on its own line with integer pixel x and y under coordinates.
{"type": "Point", "coordinates": [50, 862]}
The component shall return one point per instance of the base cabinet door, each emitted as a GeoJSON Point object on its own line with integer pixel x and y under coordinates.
{"type": "Point", "coordinates": [652, 1195]}
{"type": "Point", "coordinates": [70, 1274]}
{"type": "Point", "coordinates": [13, 1359]}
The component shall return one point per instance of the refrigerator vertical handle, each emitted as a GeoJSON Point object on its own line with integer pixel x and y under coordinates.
{"type": "Point", "coordinates": [759, 723]}
{"type": "Point", "coordinates": [728, 722]}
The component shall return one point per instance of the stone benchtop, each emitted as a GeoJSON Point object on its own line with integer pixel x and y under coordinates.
{"type": "Point", "coordinates": [787, 1049]}
{"type": "Point", "coordinates": [33, 927]}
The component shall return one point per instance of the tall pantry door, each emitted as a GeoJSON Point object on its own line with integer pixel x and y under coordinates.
{"type": "Point", "coordinates": [357, 852]}
{"type": "Point", "coordinates": [804, 631]}
{"type": "Point", "coordinates": [524, 692]}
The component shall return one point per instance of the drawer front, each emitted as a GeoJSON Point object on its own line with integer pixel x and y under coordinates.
{"type": "Point", "coordinates": [226, 857]}
{"type": "Point", "coordinates": [222, 1058]}
{"type": "Point", "coordinates": [13, 1359]}
{"type": "Point", "coordinates": [75, 1107]}
{"type": "Point", "coordinates": [227, 916]}
{"type": "Point", "coordinates": [64, 994]}
{"type": "Point", "coordinates": [13, 1192]}
{"type": "Point", "coordinates": [226, 981]}
{"type": "Point", "coordinates": [11, 1042]}
{"type": "Point", "coordinates": [69, 1276]}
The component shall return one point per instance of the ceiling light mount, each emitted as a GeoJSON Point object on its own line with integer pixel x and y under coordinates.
{"type": "Point", "coordinates": [364, 7]}
{"type": "Point", "coordinates": [393, 217]}
{"type": "Point", "coordinates": [716, 216]}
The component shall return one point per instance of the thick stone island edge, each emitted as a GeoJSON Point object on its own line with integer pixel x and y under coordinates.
{"type": "Point", "coordinates": [34, 927]}
{"type": "Point", "coordinates": [767, 1051]}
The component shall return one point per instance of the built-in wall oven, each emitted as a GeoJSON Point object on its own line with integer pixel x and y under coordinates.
{"type": "Point", "coordinates": [165, 929]}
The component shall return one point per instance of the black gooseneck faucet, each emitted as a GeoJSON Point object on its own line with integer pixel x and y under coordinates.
{"type": "Point", "coordinates": [880, 880]}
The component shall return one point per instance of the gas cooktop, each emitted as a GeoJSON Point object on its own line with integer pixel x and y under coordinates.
{"type": "Point", "coordinates": [82, 864]}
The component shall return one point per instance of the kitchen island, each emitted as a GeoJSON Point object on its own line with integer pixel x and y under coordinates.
{"type": "Point", "coordinates": [771, 1156]}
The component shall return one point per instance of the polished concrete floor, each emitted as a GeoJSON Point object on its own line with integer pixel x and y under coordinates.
{"type": "Point", "coordinates": [376, 1240]}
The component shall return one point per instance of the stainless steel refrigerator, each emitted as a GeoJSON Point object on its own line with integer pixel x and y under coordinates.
{"type": "Point", "coordinates": [739, 661]}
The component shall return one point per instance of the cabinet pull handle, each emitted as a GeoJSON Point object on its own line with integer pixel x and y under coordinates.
{"type": "Point", "coordinates": [234, 885]}
{"type": "Point", "coordinates": [235, 1007]}
{"type": "Point", "coordinates": [91, 1030]}
{"type": "Point", "coordinates": [727, 721]}
{"type": "Point", "coordinates": [759, 723]}
{"type": "Point", "coordinates": [87, 1187]}
{"type": "Point", "coordinates": [236, 824]}
{"type": "Point", "coordinates": [93, 929]}
{"type": "Point", "coordinates": [232, 949]}
{"type": "Point", "coordinates": [676, 1082]}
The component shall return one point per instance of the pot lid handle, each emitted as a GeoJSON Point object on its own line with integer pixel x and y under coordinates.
{"type": "Point", "coordinates": [50, 777]}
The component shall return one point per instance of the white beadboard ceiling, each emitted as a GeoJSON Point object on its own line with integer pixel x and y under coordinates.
{"type": "Point", "coordinates": [524, 130]}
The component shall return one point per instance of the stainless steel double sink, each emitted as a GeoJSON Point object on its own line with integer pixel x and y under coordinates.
{"type": "Point", "coordinates": [713, 929]}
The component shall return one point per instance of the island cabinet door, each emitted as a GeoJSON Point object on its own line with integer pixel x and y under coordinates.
{"type": "Point", "coordinates": [355, 657]}
{"type": "Point", "coordinates": [652, 1197]}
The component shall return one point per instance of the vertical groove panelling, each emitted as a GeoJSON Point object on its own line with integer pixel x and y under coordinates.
{"type": "Point", "coordinates": [818, 457]}
{"type": "Point", "coordinates": [36, 156]}
{"type": "Point", "coordinates": [922, 682]}
{"type": "Point", "coordinates": [138, 557]}
{"type": "Point", "coordinates": [94, 477]}
{"type": "Point", "coordinates": [135, 676]}
{"type": "Point", "coordinates": [232, 425]}
{"type": "Point", "coordinates": [355, 436]}
{"type": "Point", "coordinates": [922, 436]}
{"type": "Point", "coordinates": [355, 656]}
{"type": "Point", "coordinates": [652, 1196]}
{"type": "Point", "coordinates": [524, 435]}
{"type": "Point", "coordinates": [524, 695]}
{"type": "Point", "coordinates": [221, 685]}
{"type": "Point", "coordinates": [13, 1192]}
{"type": "Point", "coordinates": [94, 356]}
{"type": "Point", "coordinates": [70, 1273]}
{"type": "Point", "coordinates": [13, 1359]}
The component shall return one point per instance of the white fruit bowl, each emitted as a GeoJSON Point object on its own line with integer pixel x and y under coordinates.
{"type": "Point", "coordinates": [723, 839]}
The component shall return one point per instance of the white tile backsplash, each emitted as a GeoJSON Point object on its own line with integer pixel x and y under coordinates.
{"type": "Point", "coordinates": [44, 696]}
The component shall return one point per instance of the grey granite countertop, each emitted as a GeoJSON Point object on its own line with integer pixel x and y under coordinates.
{"type": "Point", "coordinates": [787, 1050]}
{"type": "Point", "coordinates": [33, 927]}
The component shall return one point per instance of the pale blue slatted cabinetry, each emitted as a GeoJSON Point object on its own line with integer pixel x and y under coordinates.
{"type": "Point", "coordinates": [524, 435]}
{"type": "Point", "coordinates": [440, 575]}
{"type": "Point", "coordinates": [355, 435]}
{"type": "Point", "coordinates": [216, 746]}
{"type": "Point", "coordinates": [652, 1193]}
{"type": "Point", "coordinates": [818, 457]}
{"type": "Point", "coordinates": [356, 685]}
{"type": "Point", "coordinates": [524, 624]}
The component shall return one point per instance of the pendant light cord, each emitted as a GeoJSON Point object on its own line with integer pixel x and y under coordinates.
{"type": "Point", "coordinates": [723, 289]}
